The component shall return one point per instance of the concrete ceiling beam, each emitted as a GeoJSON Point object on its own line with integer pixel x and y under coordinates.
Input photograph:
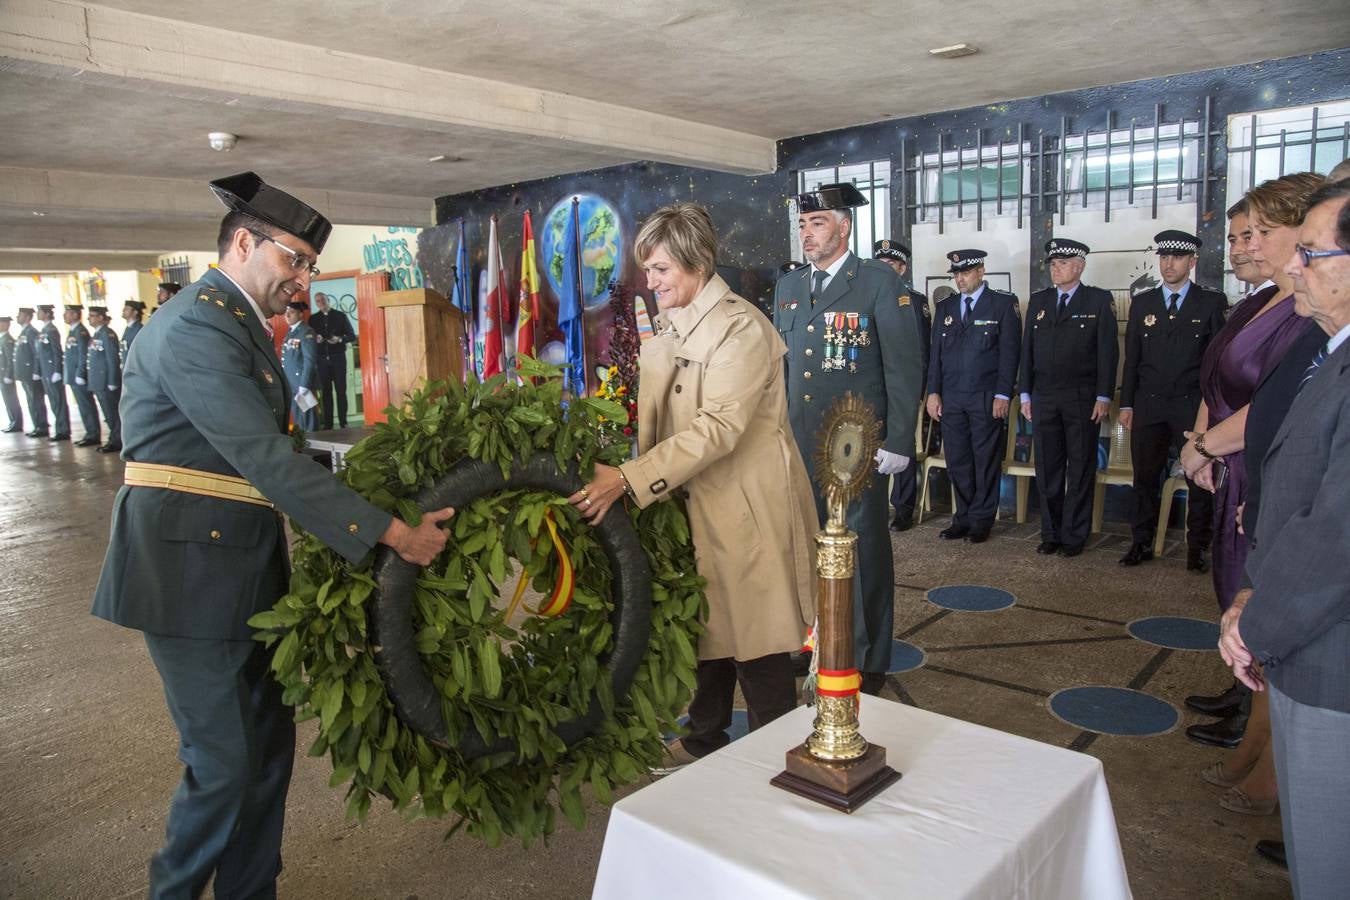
{"type": "Point", "coordinates": [43, 263]}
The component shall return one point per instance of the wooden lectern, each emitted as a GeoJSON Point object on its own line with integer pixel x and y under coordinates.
{"type": "Point", "coordinates": [424, 340]}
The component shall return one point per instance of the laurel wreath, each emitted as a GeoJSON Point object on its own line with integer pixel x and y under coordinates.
{"type": "Point", "coordinates": [501, 681]}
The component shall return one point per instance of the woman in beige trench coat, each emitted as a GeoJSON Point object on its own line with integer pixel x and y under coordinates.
{"type": "Point", "coordinates": [712, 419]}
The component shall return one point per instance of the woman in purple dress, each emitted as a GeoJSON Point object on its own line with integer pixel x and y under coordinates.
{"type": "Point", "coordinates": [1255, 338]}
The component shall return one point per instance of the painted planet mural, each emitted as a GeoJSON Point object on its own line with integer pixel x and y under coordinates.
{"type": "Point", "coordinates": [601, 243]}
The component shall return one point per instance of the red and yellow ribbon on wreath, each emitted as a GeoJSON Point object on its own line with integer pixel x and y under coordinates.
{"type": "Point", "coordinates": [561, 598]}
{"type": "Point", "coordinates": [838, 682]}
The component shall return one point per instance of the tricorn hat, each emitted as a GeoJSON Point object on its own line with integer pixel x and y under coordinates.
{"type": "Point", "coordinates": [136, 305]}
{"type": "Point", "coordinates": [830, 196]}
{"type": "Point", "coordinates": [98, 311]}
{"type": "Point", "coordinates": [247, 193]}
{"type": "Point", "coordinates": [172, 287]}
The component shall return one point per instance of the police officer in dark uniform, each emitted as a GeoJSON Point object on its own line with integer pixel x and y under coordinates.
{"type": "Point", "coordinates": [334, 332]}
{"type": "Point", "coordinates": [1168, 329]}
{"type": "Point", "coordinates": [133, 313]}
{"type": "Point", "coordinates": [7, 381]}
{"type": "Point", "coordinates": [26, 373]}
{"type": "Point", "coordinates": [75, 365]}
{"type": "Point", "coordinates": [198, 545]}
{"type": "Point", "coordinates": [167, 291]}
{"type": "Point", "coordinates": [105, 375]}
{"type": "Point", "coordinates": [299, 361]}
{"type": "Point", "coordinates": [847, 329]}
{"type": "Point", "coordinates": [1068, 371]}
{"type": "Point", "coordinates": [51, 367]}
{"type": "Point", "coordinates": [971, 375]}
{"type": "Point", "coordinates": [904, 485]}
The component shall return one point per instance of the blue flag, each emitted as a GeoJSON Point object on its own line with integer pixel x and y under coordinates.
{"type": "Point", "coordinates": [571, 307]}
{"type": "Point", "coordinates": [461, 296]}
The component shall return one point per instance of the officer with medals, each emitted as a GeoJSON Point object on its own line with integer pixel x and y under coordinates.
{"type": "Point", "coordinates": [198, 546]}
{"type": "Point", "coordinates": [334, 332]}
{"type": "Point", "coordinates": [7, 380]}
{"type": "Point", "coordinates": [74, 365]}
{"type": "Point", "coordinates": [1168, 329]}
{"type": "Point", "coordinates": [1068, 374]}
{"type": "Point", "coordinates": [299, 360]}
{"type": "Point", "coordinates": [973, 369]}
{"type": "Point", "coordinates": [905, 485]}
{"type": "Point", "coordinates": [133, 313]}
{"type": "Point", "coordinates": [847, 329]}
{"type": "Point", "coordinates": [51, 366]}
{"type": "Point", "coordinates": [26, 373]}
{"type": "Point", "coordinates": [105, 375]}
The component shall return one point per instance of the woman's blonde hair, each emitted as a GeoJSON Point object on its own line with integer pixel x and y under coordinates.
{"type": "Point", "coordinates": [1284, 200]}
{"type": "Point", "coordinates": [686, 231]}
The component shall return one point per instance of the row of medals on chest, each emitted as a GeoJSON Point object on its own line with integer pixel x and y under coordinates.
{"type": "Point", "coordinates": [845, 334]}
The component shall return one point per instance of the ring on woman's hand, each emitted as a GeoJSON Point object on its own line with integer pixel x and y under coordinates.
{"type": "Point", "coordinates": [585, 493]}
{"type": "Point", "coordinates": [587, 501]}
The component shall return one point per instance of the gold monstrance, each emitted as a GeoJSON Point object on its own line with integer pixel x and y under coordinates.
{"type": "Point", "coordinates": [835, 765]}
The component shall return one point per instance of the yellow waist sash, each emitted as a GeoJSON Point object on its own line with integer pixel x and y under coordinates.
{"type": "Point", "coordinates": [191, 481]}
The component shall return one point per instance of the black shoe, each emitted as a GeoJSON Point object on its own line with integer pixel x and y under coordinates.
{"type": "Point", "coordinates": [977, 537]}
{"type": "Point", "coordinates": [1139, 553]}
{"type": "Point", "coordinates": [88, 442]}
{"type": "Point", "coordinates": [1195, 560]}
{"type": "Point", "coordinates": [1047, 548]}
{"type": "Point", "coordinates": [1273, 851]}
{"type": "Point", "coordinates": [59, 438]}
{"type": "Point", "coordinates": [902, 523]}
{"type": "Point", "coordinates": [954, 532]}
{"type": "Point", "coordinates": [1068, 551]}
{"type": "Point", "coordinates": [110, 448]}
{"type": "Point", "coordinates": [1224, 704]}
{"type": "Point", "coordinates": [801, 664]}
{"type": "Point", "coordinates": [36, 432]}
{"type": "Point", "coordinates": [13, 428]}
{"type": "Point", "coordinates": [873, 682]}
{"type": "Point", "coordinates": [1226, 733]}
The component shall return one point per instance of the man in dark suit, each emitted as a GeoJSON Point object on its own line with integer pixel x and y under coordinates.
{"type": "Point", "coordinates": [75, 372]}
{"type": "Point", "coordinates": [26, 372]}
{"type": "Point", "coordinates": [51, 367]}
{"type": "Point", "coordinates": [1068, 372]}
{"type": "Point", "coordinates": [334, 331]}
{"type": "Point", "coordinates": [1294, 619]}
{"type": "Point", "coordinates": [1165, 338]}
{"type": "Point", "coordinates": [973, 368]}
{"type": "Point", "coordinates": [7, 380]}
{"type": "Point", "coordinates": [905, 485]}
{"type": "Point", "coordinates": [847, 329]}
{"type": "Point", "coordinates": [299, 360]}
{"type": "Point", "coordinates": [197, 544]}
{"type": "Point", "coordinates": [105, 375]}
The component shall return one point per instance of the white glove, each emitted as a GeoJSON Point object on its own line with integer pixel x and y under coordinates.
{"type": "Point", "coordinates": [112, 387]}
{"type": "Point", "coordinates": [889, 463]}
{"type": "Point", "coordinates": [302, 392]}
{"type": "Point", "coordinates": [37, 377]}
{"type": "Point", "coordinates": [56, 378]}
{"type": "Point", "coordinates": [335, 339]}
{"type": "Point", "coordinates": [9, 380]}
{"type": "Point", "coordinates": [79, 380]}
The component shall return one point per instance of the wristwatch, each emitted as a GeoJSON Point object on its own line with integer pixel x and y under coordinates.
{"type": "Point", "coordinates": [1200, 446]}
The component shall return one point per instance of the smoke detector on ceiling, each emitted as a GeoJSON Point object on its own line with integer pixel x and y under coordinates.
{"type": "Point", "coordinates": [222, 141]}
{"type": "Point", "coordinates": [954, 51]}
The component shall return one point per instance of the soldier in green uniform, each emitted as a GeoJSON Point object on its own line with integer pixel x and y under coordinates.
{"type": "Point", "coordinates": [167, 291]}
{"type": "Point", "coordinates": [75, 373]}
{"type": "Point", "coordinates": [26, 373]}
{"type": "Point", "coordinates": [848, 328]}
{"type": "Point", "coordinates": [197, 544]}
{"type": "Point", "coordinates": [7, 382]}
{"type": "Point", "coordinates": [105, 375]}
{"type": "Point", "coordinates": [133, 313]}
{"type": "Point", "coordinates": [52, 369]}
{"type": "Point", "coordinates": [299, 360]}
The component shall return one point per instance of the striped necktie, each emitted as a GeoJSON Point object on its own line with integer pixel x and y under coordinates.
{"type": "Point", "coordinates": [1309, 372]}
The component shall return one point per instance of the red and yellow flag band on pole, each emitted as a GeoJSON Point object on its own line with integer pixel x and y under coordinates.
{"type": "Point", "coordinates": [838, 682]}
{"type": "Point", "coordinates": [561, 597]}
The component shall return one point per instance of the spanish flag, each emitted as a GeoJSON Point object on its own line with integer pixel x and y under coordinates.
{"type": "Point", "coordinates": [529, 293]}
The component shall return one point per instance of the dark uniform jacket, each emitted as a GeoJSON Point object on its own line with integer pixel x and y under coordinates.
{"type": "Point", "coordinates": [76, 360]}
{"type": "Point", "coordinates": [859, 337]}
{"type": "Point", "coordinates": [128, 336]}
{"type": "Point", "coordinates": [1162, 354]}
{"type": "Point", "coordinates": [923, 318]}
{"type": "Point", "coordinates": [299, 357]}
{"type": "Point", "coordinates": [25, 355]}
{"type": "Point", "coordinates": [49, 353]}
{"type": "Point", "coordinates": [7, 345]}
{"type": "Point", "coordinates": [1073, 355]}
{"type": "Point", "coordinates": [980, 357]}
{"type": "Point", "coordinates": [105, 361]}
{"type": "Point", "coordinates": [332, 324]}
{"type": "Point", "coordinates": [206, 392]}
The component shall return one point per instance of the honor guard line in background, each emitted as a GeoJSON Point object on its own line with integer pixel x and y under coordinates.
{"type": "Point", "coordinates": [836, 766]}
{"type": "Point", "coordinates": [424, 334]}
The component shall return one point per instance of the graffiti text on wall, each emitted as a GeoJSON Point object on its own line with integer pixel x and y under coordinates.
{"type": "Point", "coordinates": [394, 255]}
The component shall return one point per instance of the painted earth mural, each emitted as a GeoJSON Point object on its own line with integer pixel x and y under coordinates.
{"type": "Point", "coordinates": [601, 240]}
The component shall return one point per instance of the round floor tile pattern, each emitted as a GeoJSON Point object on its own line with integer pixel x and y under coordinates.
{"type": "Point", "coordinates": [1113, 710]}
{"type": "Point", "coordinates": [970, 598]}
{"type": "Point", "coordinates": [1177, 632]}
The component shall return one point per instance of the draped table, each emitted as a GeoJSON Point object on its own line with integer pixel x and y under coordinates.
{"type": "Point", "coordinates": [978, 814]}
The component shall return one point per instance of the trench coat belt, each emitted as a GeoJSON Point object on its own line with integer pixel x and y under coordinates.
{"type": "Point", "coordinates": [191, 481]}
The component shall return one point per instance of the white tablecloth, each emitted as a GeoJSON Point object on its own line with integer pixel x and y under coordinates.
{"type": "Point", "coordinates": [978, 813]}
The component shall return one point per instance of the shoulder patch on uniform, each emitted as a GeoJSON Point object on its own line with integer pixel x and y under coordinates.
{"type": "Point", "coordinates": [904, 300]}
